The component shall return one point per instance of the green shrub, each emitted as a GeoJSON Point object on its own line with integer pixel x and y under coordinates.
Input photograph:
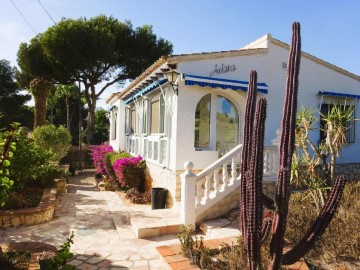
{"type": "Point", "coordinates": [29, 162]}
{"type": "Point", "coordinates": [7, 148]}
{"type": "Point", "coordinates": [47, 175]}
{"type": "Point", "coordinates": [109, 167]}
{"type": "Point", "coordinates": [117, 156]}
{"type": "Point", "coordinates": [55, 139]}
{"type": "Point", "coordinates": [32, 165]}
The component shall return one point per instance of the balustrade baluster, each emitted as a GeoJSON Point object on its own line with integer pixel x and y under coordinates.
{"type": "Point", "coordinates": [216, 181]}
{"type": "Point", "coordinates": [233, 171]}
{"type": "Point", "coordinates": [225, 179]}
{"type": "Point", "coordinates": [275, 162]}
{"type": "Point", "coordinates": [199, 191]}
{"type": "Point", "coordinates": [266, 163]}
{"type": "Point", "coordinates": [270, 163]}
{"type": "Point", "coordinates": [207, 188]}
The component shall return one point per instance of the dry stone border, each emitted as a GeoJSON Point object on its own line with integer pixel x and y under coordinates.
{"type": "Point", "coordinates": [31, 216]}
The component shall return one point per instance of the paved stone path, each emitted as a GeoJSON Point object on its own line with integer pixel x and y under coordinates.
{"type": "Point", "coordinates": [98, 243]}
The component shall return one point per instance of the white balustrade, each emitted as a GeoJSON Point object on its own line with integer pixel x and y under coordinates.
{"type": "Point", "coordinates": [210, 186]}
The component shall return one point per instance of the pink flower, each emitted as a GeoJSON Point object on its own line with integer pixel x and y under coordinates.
{"type": "Point", "coordinates": [98, 153]}
{"type": "Point", "coordinates": [128, 168]}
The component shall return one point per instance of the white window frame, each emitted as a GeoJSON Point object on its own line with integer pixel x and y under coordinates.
{"type": "Point", "coordinates": [213, 119]}
{"type": "Point", "coordinates": [134, 131]}
{"type": "Point", "coordinates": [350, 132]}
{"type": "Point", "coordinates": [127, 121]}
{"type": "Point", "coordinates": [145, 118]}
{"type": "Point", "coordinates": [159, 97]}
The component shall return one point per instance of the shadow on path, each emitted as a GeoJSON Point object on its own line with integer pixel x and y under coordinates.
{"type": "Point", "coordinates": [83, 181]}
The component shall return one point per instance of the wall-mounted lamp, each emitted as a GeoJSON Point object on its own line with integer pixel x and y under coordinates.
{"type": "Point", "coordinates": [172, 77]}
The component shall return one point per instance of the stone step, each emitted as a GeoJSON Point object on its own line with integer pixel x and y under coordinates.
{"type": "Point", "coordinates": [218, 228]}
{"type": "Point", "coordinates": [123, 228]}
{"type": "Point", "coordinates": [155, 223]}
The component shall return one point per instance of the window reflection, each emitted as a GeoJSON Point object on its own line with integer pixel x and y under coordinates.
{"type": "Point", "coordinates": [202, 122]}
{"type": "Point", "coordinates": [227, 119]}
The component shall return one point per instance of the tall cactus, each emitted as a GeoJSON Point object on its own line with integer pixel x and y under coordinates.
{"type": "Point", "coordinates": [252, 199]}
{"type": "Point", "coordinates": [245, 165]}
{"type": "Point", "coordinates": [287, 145]}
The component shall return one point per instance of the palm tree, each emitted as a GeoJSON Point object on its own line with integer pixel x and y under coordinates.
{"type": "Point", "coordinates": [40, 89]}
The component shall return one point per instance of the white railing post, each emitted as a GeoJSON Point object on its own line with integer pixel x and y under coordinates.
{"type": "Point", "coordinates": [188, 188]}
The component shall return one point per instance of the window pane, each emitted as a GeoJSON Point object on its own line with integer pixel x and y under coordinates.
{"type": "Point", "coordinates": [127, 124]}
{"type": "Point", "coordinates": [227, 120]}
{"type": "Point", "coordinates": [133, 115]}
{"type": "Point", "coordinates": [202, 122]}
{"type": "Point", "coordinates": [155, 116]}
{"type": "Point", "coordinates": [145, 121]}
{"type": "Point", "coordinates": [156, 150]}
{"type": "Point", "coordinates": [162, 114]}
{"type": "Point", "coordinates": [349, 126]}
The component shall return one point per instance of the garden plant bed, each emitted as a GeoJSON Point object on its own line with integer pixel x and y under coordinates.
{"type": "Point", "coordinates": [25, 198]}
{"type": "Point", "coordinates": [34, 248]}
{"type": "Point", "coordinates": [33, 215]}
{"type": "Point", "coordinates": [172, 259]}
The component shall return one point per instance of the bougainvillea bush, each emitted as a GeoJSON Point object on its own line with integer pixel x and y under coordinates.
{"type": "Point", "coordinates": [110, 159]}
{"type": "Point", "coordinates": [130, 171]}
{"type": "Point", "coordinates": [98, 153]}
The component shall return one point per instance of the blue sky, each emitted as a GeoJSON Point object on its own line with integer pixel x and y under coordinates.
{"type": "Point", "coordinates": [330, 28]}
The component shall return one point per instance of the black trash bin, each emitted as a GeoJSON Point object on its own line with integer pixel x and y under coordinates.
{"type": "Point", "coordinates": [158, 198]}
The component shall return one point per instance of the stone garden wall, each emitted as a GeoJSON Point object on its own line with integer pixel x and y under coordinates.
{"type": "Point", "coordinates": [350, 170]}
{"type": "Point", "coordinates": [31, 216]}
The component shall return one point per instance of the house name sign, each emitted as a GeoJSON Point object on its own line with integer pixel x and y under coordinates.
{"type": "Point", "coordinates": [220, 69]}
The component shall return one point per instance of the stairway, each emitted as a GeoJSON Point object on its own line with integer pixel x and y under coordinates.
{"type": "Point", "coordinates": [146, 223]}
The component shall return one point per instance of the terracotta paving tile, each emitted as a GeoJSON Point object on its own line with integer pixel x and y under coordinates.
{"type": "Point", "coordinates": [175, 258]}
{"type": "Point", "coordinates": [180, 265]}
{"type": "Point", "coordinates": [175, 248]}
{"type": "Point", "coordinates": [165, 251]}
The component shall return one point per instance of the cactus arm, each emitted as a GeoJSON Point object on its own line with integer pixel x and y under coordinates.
{"type": "Point", "coordinates": [265, 229]}
{"type": "Point", "coordinates": [319, 226]}
{"type": "Point", "coordinates": [287, 144]}
{"type": "Point", "coordinates": [248, 127]}
{"type": "Point", "coordinates": [254, 200]}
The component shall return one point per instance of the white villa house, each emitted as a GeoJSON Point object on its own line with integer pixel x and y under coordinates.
{"type": "Point", "coordinates": [199, 117]}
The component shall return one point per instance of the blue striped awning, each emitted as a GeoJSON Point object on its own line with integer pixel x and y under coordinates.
{"type": "Point", "coordinates": [145, 90]}
{"type": "Point", "coordinates": [334, 94]}
{"type": "Point", "coordinates": [222, 83]}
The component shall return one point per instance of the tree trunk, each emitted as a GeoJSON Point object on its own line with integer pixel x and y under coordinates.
{"type": "Point", "coordinates": [40, 111]}
{"type": "Point", "coordinates": [91, 122]}
{"type": "Point", "coordinates": [67, 101]}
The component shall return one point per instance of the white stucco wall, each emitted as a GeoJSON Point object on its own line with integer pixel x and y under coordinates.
{"type": "Point", "coordinates": [180, 111]}
{"type": "Point", "coordinates": [270, 68]}
{"type": "Point", "coordinates": [312, 79]}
